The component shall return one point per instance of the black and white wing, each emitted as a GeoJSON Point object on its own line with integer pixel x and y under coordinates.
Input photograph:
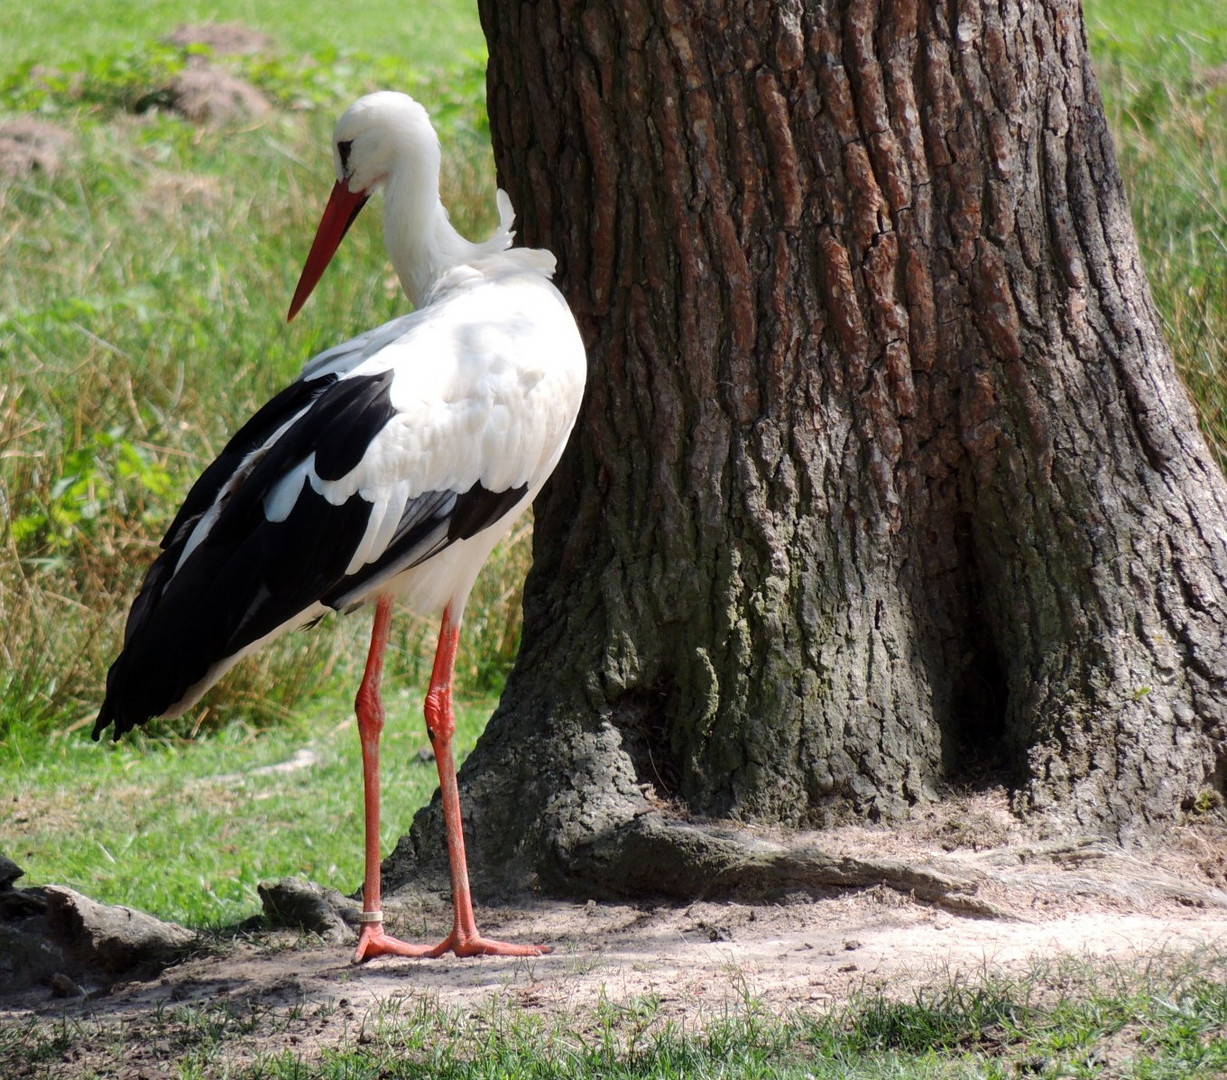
{"type": "Point", "coordinates": [388, 452]}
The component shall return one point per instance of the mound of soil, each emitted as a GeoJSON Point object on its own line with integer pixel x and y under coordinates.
{"type": "Point", "coordinates": [29, 145]}
{"type": "Point", "coordinates": [224, 39]}
{"type": "Point", "coordinates": [207, 93]}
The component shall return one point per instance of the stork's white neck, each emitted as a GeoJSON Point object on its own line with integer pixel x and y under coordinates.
{"type": "Point", "coordinates": [420, 238]}
{"type": "Point", "coordinates": [385, 140]}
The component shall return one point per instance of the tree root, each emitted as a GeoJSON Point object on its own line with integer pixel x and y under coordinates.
{"type": "Point", "coordinates": [594, 835]}
{"type": "Point", "coordinates": [653, 855]}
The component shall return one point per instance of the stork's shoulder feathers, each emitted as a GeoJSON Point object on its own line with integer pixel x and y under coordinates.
{"type": "Point", "coordinates": [486, 382]}
{"type": "Point", "coordinates": [500, 266]}
{"type": "Point", "coordinates": [342, 359]}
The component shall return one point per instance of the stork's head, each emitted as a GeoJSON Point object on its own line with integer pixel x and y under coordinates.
{"type": "Point", "coordinates": [382, 134]}
{"type": "Point", "coordinates": [379, 133]}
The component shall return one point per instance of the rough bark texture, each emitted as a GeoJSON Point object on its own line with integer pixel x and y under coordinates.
{"type": "Point", "coordinates": [885, 477]}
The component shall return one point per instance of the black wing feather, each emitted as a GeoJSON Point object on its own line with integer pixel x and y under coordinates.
{"type": "Point", "coordinates": [225, 597]}
{"type": "Point", "coordinates": [271, 417]}
{"type": "Point", "coordinates": [250, 575]}
{"type": "Point", "coordinates": [465, 515]}
{"type": "Point", "coordinates": [254, 434]}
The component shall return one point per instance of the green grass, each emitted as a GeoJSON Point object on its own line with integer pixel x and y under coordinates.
{"type": "Point", "coordinates": [425, 33]}
{"type": "Point", "coordinates": [1163, 72]}
{"type": "Point", "coordinates": [142, 300]}
{"type": "Point", "coordinates": [207, 819]}
{"type": "Point", "coordinates": [1161, 1019]}
{"type": "Point", "coordinates": [1195, 28]}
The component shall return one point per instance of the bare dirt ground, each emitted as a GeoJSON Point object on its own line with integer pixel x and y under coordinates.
{"type": "Point", "coordinates": [1016, 899]}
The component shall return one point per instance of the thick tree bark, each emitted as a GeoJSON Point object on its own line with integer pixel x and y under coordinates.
{"type": "Point", "coordinates": [885, 479]}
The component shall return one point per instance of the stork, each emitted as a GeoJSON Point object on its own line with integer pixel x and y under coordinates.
{"type": "Point", "coordinates": [389, 470]}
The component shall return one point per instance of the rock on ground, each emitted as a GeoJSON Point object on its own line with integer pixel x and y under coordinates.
{"type": "Point", "coordinates": [55, 940]}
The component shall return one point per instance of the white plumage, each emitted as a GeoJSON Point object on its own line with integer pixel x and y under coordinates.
{"type": "Point", "coordinates": [389, 469]}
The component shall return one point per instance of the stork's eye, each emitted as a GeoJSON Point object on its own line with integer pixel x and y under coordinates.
{"type": "Point", "coordinates": [344, 148]}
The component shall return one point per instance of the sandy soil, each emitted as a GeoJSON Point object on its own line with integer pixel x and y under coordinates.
{"type": "Point", "coordinates": [1039, 898]}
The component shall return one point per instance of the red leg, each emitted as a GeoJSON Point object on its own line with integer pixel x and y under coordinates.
{"type": "Point", "coordinates": [464, 940]}
{"type": "Point", "coordinates": [369, 709]}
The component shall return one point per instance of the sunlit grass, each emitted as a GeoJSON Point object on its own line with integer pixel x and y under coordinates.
{"type": "Point", "coordinates": [425, 33]}
{"type": "Point", "coordinates": [188, 829]}
{"type": "Point", "coordinates": [1163, 72]}
{"type": "Point", "coordinates": [142, 316]}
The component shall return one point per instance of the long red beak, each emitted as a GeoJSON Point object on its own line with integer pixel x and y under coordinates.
{"type": "Point", "coordinates": [343, 206]}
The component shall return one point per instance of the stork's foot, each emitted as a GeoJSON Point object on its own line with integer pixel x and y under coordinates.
{"type": "Point", "coordinates": [374, 941]}
{"type": "Point", "coordinates": [476, 945]}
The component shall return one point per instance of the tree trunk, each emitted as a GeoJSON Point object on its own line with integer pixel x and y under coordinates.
{"type": "Point", "coordinates": [885, 480]}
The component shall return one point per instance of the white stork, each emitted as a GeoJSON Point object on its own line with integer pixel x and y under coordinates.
{"type": "Point", "coordinates": [388, 470]}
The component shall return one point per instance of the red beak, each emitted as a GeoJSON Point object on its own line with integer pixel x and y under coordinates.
{"type": "Point", "coordinates": [343, 206]}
